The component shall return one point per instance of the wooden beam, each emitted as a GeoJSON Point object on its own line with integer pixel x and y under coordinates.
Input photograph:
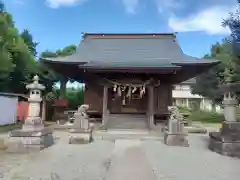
{"type": "Point", "coordinates": [90, 77]}
{"type": "Point", "coordinates": [105, 105]}
{"type": "Point", "coordinates": [151, 106]}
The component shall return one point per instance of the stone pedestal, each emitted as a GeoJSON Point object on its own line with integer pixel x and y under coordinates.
{"type": "Point", "coordinates": [30, 140]}
{"type": "Point", "coordinates": [33, 136]}
{"type": "Point", "coordinates": [79, 136]}
{"type": "Point", "coordinates": [227, 141]}
{"type": "Point", "coordinates": [176, 139]}
{"type": "Point", "coordinates": [81, 133]}
{"type": "Point", "coordinates": [2, 145]}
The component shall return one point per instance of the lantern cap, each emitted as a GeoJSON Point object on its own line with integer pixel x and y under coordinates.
{"type": "Point", "coordinates": [35, 85]}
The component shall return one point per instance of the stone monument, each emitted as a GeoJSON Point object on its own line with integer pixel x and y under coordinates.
{"type": "Point", "coordinates": [81, 132]}
{"type": "Point", "coordinates": [175, 135]}
{"type": "Point", "coordinates": [227, 140]}
{"type": "Point", "coordinates": [33, 135]}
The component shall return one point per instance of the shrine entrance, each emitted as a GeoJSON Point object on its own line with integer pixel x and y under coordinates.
{"type": "Point", "coordinates": [128, 99]}
{"type": "Point", "coordinates": [128, 105]}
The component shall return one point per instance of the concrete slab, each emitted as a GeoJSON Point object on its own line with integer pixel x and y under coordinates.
{"type": "Point", "coordinates": [129, 162]}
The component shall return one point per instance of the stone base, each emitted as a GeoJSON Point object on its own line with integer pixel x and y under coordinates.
{"type": "Point", "coordinates": [230, 131]}
{"type": "Point", "coordinates": [227, 148]}
{"type": "Point", "coordinates": [2, 145]}
{"type": "Point", "coordinates": [178, 139]}
{"type": "Point", "coordinates": [195, 129]}
{"type": "Point", "coordinates": [79, 136]}
{"type": "Point", "coordinates": [27, 141]}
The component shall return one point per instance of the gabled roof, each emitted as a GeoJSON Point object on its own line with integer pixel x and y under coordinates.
{"type": "Point", "coordinates": [135, 53]}
{"type": "Point", "coordinates": [129, 50]}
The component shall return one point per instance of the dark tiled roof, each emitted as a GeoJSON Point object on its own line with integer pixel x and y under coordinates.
{"type": "Point", "coordinates": [129, 50]}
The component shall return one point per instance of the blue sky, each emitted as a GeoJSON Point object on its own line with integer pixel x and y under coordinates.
{"type": "Point", "coordinates": [57, 23]}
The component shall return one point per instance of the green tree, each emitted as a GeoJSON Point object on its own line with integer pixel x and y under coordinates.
{"type": "Point", "coordinates": [48, 78]}
{"type": "Point", "coordinates": [16, 61]}
{"type": "Point", "coordinates": [75, 97]}
{"type": "Point", "coordinates": [67, 51]}
{"type": "Point", "coordinates": [1, 6]}
{"type": "Point", "coordinates": [7, 36]}
{"type": "Point", "coordinates": [48, 54]}
{"type": "Point", "coordinates": [209, 83]}
{"type": "Point", "coordinates": [28, 39]}
{"type": "Point", "coordinates": [233, 23]}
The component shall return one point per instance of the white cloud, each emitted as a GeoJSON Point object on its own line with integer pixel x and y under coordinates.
{"type": "Point", "coordinates": [58, 3]}
{"type": "Point", "coordinates": [130, 5]}
{"type": "Point", "coordinates": [208, 20]}
{"type": "Point", "coordinates": [168, 4]}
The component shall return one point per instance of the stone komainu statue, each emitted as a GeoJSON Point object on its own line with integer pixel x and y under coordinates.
{"type": "Point", "coordinates": [174, 113]}
{"type": "Point", "coordinates": [83, 110]}
{"type": "Point", "coordinates": [175, 135]}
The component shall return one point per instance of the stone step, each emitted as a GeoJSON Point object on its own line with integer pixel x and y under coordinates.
{"type": "Point", "coordinates": [138, 135]}
{"type": "Point", "coordinates": [127, 121]}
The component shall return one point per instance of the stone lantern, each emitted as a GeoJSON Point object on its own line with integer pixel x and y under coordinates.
{"type": "Point", "coordinates": [227, 140]}
{"type": "Point", "coordinates": [229, 103]}
{"type": "Point", "coordinates": [33, 135]}
{"type": "Point", "coordinates": [34, 121]}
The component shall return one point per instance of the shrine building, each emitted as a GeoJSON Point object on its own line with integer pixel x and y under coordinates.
{"type": "Point", "coordinates": [129, 75]}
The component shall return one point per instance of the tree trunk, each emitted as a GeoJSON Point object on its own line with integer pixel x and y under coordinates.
{"type": "Point", "coordinates": [63, 84]}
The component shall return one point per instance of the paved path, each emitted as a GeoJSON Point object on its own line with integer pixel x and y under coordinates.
{"type": "Point", "coordinates": [62, 161]}
{"type": "Point", "coordinates": [122, 160]}
{"type": "Point", "coordinates": [192, 163]}
{"type": "Point", "coordinates": [129, 162]}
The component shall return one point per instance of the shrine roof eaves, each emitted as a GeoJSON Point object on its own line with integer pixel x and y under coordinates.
{"type": "Point", "coordinates": [114, 50]}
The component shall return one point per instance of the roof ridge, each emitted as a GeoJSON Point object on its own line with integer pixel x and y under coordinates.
{"type": "Point", "coordinates": [128, 35]}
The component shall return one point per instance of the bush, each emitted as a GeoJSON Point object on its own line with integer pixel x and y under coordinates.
{"type": "Point", "coordinates": [75, 97]}
{"type": "Point", "coordinates": [184, 110]}
{"type": "Point", "coordinates": [206, 116]}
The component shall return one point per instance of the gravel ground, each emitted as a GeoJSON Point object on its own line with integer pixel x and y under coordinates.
{"type": "Point", "coordinates": [91, 162]}
{"type": "Point", "coordinates": [193, 163]}
{"type": "Point", "coordinates": [59, 162]}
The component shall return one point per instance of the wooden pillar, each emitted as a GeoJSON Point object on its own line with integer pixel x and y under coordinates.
{"type": "Point", "coordinates": [105, 105]}
{"type": "Point", "coordinates": [151, 106]}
